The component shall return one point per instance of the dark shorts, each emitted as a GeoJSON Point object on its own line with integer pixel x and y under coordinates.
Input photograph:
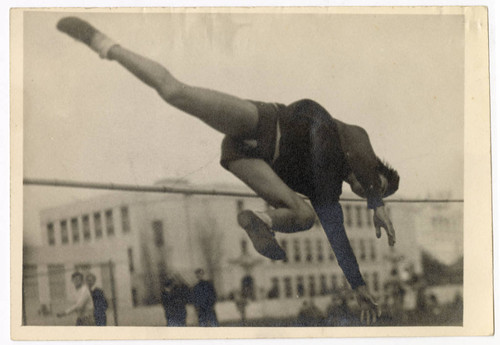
{"type": "Point", "coordinates": [261, 144]}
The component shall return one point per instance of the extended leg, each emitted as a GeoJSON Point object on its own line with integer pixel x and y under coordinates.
{"type": "Point", "coordinates": [225, 113]}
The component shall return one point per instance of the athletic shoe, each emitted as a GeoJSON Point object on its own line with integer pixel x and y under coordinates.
{"type": "Point", "coordinates": [261, 235]}
{"type": "Point", "coordinates": [86, 33]}
{"type": "Point", "coordinates": [78, 29]}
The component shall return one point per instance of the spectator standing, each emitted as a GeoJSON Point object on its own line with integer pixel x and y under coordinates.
{"type": "Point", "coordinates": [99, 300]}
{"type": "Point", "coordinates": [204, 298]}
{"type": "Point", "coordinates": [174, 297]}
{"type": "Point", "coordinates": [84, 308]}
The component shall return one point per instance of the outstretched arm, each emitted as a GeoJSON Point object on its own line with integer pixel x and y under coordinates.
{"type": "Point", "coordinates": [331, 219]}
{"type": "Point", "coordinates": [328, 183]}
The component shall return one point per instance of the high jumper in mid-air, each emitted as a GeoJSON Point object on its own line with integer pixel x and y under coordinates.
{"type": "Point", "coordinates": [278, 151]}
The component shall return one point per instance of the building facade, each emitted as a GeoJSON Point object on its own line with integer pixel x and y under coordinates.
{"type": "Point", "coordinates": [144, 237]}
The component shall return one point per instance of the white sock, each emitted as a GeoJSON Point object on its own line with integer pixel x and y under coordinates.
{"type": "Point", "coordinates": [265, 217]}
{"type": "Point", "coordinates": [102, 44]}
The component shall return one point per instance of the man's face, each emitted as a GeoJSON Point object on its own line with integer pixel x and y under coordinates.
{"type": "Point", "coordinates": [77, 281]}
{"type": "Point", "coordinates": [90, 280]}
{"type": "Point", "coordinates": [358, 189]}
{"type": "Point", "coordinates": [384, 184]}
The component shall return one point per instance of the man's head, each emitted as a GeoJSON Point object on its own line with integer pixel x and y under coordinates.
{"type": "Point", "coordinates": [168, 284]}
{"type": "Point", "coordinates": [77, 279]}
{"type": "Point", "coordinates": [90, 280]}
{"type": "Point", "coordinates": [389, 181]}
{"type": "Point", "coordinates": [199, 273]}
{"type": "Point", "coordinates": [390, 175]}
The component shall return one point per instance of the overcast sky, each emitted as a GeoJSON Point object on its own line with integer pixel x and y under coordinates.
{"type": "Point", "coordinates": [399, 76]}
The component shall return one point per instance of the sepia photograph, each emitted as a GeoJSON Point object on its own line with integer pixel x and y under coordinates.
{"type": "Point", "coordinates": [248, 169]}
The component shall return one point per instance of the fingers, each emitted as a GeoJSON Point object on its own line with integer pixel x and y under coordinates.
{"type": "Point", "coordinates": [373, 314]}
{"type": "Point", "coordinates": [378, 232]}
{"type": "Point", "coordinates": [369, 317]}
{"type": "Point", "coordinates": [391, 235]}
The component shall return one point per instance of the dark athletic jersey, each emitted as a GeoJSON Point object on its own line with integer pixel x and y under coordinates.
{"type": "Point", "coordinates": [317, 152]}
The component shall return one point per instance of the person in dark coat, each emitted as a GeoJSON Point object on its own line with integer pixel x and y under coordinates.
{"type": "Point", "coordinates": [100, 302]}
{"type": "Point", "coordinates": [204, 298]}
{"type": "Point", "coordinates": [174, 297]}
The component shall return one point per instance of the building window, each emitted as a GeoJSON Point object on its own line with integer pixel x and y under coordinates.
{"type": "Point", "coordinates": [312, 286]}
{"type": "Point", "coordinates": [244, 247]}
{"type": "Point", "coordinates": [98, 225]}
{"type": "Point", "coordinates": [359, 221]}
{"type": "Point", "coordinates": [373, 251]}
{"type": "Point", "coordinates": [331, 256]}
{"type": "Point", "coordinates": [135, 298]}
{"type": "Point", "coordinates": [86, 227]}
{"type": "Point", "coordinates": [248, 287]}
{"type": "Point", "coordinates": [335, 284]}
{"type": "Point", "coordinates": [362, 250]}
{"type": "Point", "coordinates": [288, 286]}
{"type": "Point", "coordinates": [354, 247]}
{"type": "Point", "coordinates": [158, 233]}
{"type": "Point", "coordinates": [296, 250]}
{"type": "Point", "coordinates": [30, 282]}
{"type": "Point", "coordinates": [274, 292]}
{"type": "Point", "coordinates": [376, 282]}
{"type": "Point", "coordinates": [284, 245]}
{"type": "Point", "coordinates": [366, 277]}
{"type": "Point", "coordinates": [110, 227]}
{"type": "Point", "coordinates": [345, 283]}
{"type": "Point", "coordinates": [348, 215]}
{"type": "Point", "coordinates": [240, 204]}
{"type": "Point", "coordinates": [369, 217]}
{"type": "Point", "coordinates": [75, 230]}
{"type": "Point", "coordinates": [64, 232]}
{"type": "Point", "coordinates": [319, 249]}
{"type": "Point", "coordinates": [57, 282]}
{"type": "Point", "coordinates": [51, 235]}
{"type": "Point", "coordinates": [323, 286]}
{"type": "Point", "coordinates": [125, 219]}
{"type": "Point", "coordinates": [308, 250]}
{"type": "Point", "coordinates": [300, 286]}
{"type": "Point", "coordinates": [130, 260]}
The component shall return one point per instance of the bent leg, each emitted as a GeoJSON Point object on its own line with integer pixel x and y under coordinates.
{"type": "Point", "coordinates": [291, 213]}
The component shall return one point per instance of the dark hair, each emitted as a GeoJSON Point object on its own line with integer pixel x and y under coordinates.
{"type": "Point", "coordinates": [391, 175]}
{"type": "Point", "coordinates": [77, 274]}
{"type": "Point", "coordinates": [168, 282]}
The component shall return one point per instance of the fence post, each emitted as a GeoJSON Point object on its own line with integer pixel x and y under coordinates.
{"type": "Point", "coordinates": [113, 291]}
{"type": "Point", "coordinates": [23, 302]}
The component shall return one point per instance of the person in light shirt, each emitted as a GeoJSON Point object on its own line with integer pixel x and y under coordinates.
{"type": "Point", "coordinates": [84, 307]}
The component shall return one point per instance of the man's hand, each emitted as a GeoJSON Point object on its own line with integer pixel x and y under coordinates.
{"type": "Point", "coordinates": [370, 310]}
{"type": "Point", "coordinates": [382, 220]}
